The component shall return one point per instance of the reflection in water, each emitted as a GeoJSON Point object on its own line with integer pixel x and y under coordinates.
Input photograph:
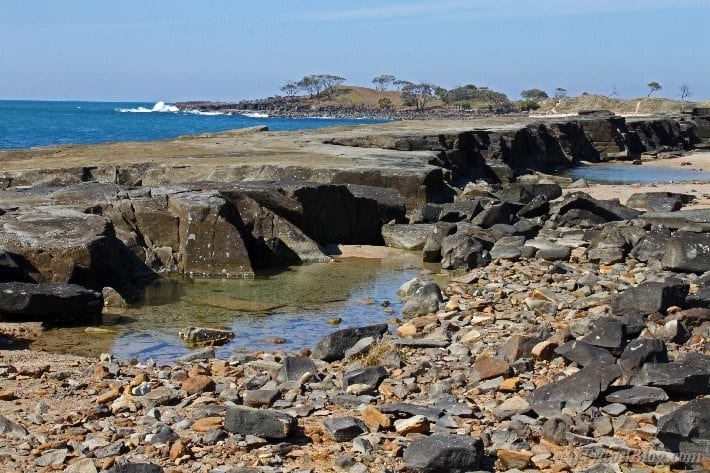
{"type": "Point", "coordinates": [309, 295]}
{"type": "Point", "coordinates": [630, 174]}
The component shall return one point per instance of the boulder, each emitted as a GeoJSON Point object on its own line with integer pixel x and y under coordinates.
{"type": "Point", "coordinates": [650, 297]}
{"type": "Point", "coordinates": [432, 247]}
{"type": "Point", "coordinates": [332, 347]}
{"type": "Point", "coordinates": [443, 453]}
{"type": "Point", "coordinates": [266, 423]}
{"type": "Point", "coordinates": [687, 252]}
{"type": "Point", "coordinates": [344, 429]}
{"type": "Point", "coordinates": [496, 213]}
{"type": "Point", "coordinates": [659, 201]}
{"type": "Point", "coordinates": [275, 241]}
{"type": "Point", "coordinates": [51, 303]}
{"type": "Point", "coordinates": [640, 351]}
{"type": "Point", "coordinates": [205, 336]}
{"type": "Point", "coordinates": [526, 193]}
{"type": "Point", "coordinates": [609, 210]}
{"type": "Point", "coordinates": [607, 333]}
{"type": "Point", "coordinates": [538, 206]}
{"type": "Point", "coordinates": [508, 247]}
{"type": "Point", "coordinates": [653, 245]}
{"type": "Point", "coordinates": [585, 354]}
{"type": "Point", "coordinates": [425, 300]}
{"type": "Point", "coordinates": [677, 377]}
{"type": "Point", "coordinates": [687, 429]}
{"type": "Point", "coordinates": [370, 376]}
{"type": "Point", "coordinates": [210, 243]}
{"type": "Point", "coordinates": [407, 237]}
{"type": "Point", "coordinates": [294, 367]}
{"type": "Point", "coordinates": [426, 213]}
{"type": "Point", "coordinates": [9, 269]}
{"type": "Point", "coordinates": [460, 251]}
{"type": "Point", "coordinates": [576, 392]}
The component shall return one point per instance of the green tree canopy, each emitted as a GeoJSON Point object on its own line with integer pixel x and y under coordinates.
{"type": "Point", "coordinates": [534, 94]}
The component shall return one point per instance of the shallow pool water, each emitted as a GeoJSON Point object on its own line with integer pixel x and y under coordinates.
{"type": "Point", "coordinates": [307, 296]}
{"type": "Point", "coordinates": [631, 174]}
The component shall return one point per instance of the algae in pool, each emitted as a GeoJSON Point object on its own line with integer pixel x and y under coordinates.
{"type": "Point", "coordinates": [294, 304]}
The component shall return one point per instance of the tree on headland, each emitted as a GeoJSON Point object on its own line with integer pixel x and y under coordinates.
{"type": "Point", "coordinates": [560, 93]}
{"type": "Point", "coordinates": [318, 85]}
{"type": "Point", "coordinates": [329, 82]}
{"type": "Point", "coordinates": [417, 95]}
{"type": "Point", "coordinates": [383, 82]}
{"type": "Point", "coordinates": [534, 94]}
{"type": "Point", "coordinates": [685, 91]}
{"type": "Point", "coordinates": [527, 105]}
{"type": "Point", "coordinates": [290, 89]}
{"type": "Point", "coordinates": [400, 84]}
{"type": "Point", "coordinates": [385, 103]}
{"type": "Point", "coordinates": [653, 87]}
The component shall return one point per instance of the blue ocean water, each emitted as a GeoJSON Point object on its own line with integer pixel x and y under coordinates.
{"type": "Point", "coordinates": [25, 124]}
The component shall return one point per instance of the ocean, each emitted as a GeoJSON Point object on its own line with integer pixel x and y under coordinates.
{"type": "Point", "coordinates": [26, 124]}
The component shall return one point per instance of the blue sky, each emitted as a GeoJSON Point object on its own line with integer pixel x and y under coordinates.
{"type": "Point", "coordinates": [223, 50]}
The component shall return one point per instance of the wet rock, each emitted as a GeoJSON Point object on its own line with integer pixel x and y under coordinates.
{"type": "Point", "coordinates": [332, 347]}
{"type": "Point", "coordinates": [344, 429]}
{"type": "Point", "coordinates": [585, 354]}
{"type": "Point", "coordinates": [439, 453]}
{"type": "Point", "coordinates": [51, 303]}
{"type": "Point", "coordinates": [679, 378]}
{"type": "Point", "coordinates": [265, 423]}
{"type": "Point", "coordinates": [637, 396]}
{"type": "Point", "coordinates": [576, 392]}
{"type": "Point", "coordinates": [650, 297]}
{"type": "Point", "coordinates": [294, 367]}
{"type": "Point", "coordinates": [202, 336]}
{"type": "Point", "coordinates": [687, 252]}
{"type": "Point", "coordinates": [406, 237]}
{"type": "Point", "coordinates": [370, 377]}
{"type": "Point", "coordinates": [424, 301]}
{"type": "Point", "coordinates": [460, 251]}
{"type": "Point", "coordinates": [687, 429]}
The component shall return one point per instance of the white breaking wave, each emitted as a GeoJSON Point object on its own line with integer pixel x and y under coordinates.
{"type": "Point", "coordinates": [197, 112]}
{"type": "Point", "coordinates": [256, 115]}
{"type": "Point", "coordinates": [159, 106]}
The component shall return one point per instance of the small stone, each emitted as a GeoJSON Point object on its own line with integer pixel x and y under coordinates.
{"type": "Point", "coordinates": [206, 424]}
{"type": "Point", "coordinates": [83, 465]}
{"type": "Point", "coordinates": [7, 395]}
{"type": "Point", "coordinates": [511, 459]}
{"type": "Point", "coordinates": [108, 396]}
{"type": "Point", "coordinates": [440, 453]}
{"type": "Point", "coordinates": [413, 425]}
{"type": "Point", "coordinates": [178, 450]}
{"type": "Point", "coordinates": [375, 419]}
{"type": "Point", "coordinates": [53, 457]}
{"type": "Point", "coordinates": [487, 368]}
{"type": "Point", "coordinates": [335, 320]}
{"type": "Point", "coordinates": [544, 350]}
{"type": "Point", "coordinates": [198, 384]}
{"type": "Point", "coordinates": [509, 385]}
{"type": "Point", "coordinates": [344, 429]}
{"type": "Point", "coordinates": [638, 396]}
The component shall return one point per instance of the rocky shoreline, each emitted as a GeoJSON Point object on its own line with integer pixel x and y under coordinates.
{"type": "Point", "coordinates": [572, 334]}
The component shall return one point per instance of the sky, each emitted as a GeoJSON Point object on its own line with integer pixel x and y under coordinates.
{"type": "Point", "coordinates": [137, 50]}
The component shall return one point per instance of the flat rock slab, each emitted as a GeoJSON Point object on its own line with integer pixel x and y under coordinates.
{"type": "Point", "coordinates": [637, 396]}
{"type": "Point", "coordinates": [687, 429]}
{"type": "Point", "coordinates": [407, 237]}
{"type": "Point", "coordinates": [679, 378]}
{"type": "Point", "coordinates": [650, 297]}
{"type": "Point", "coordinates": [344, 429]}
{"type": "Point", "coordinates": [53, 303]}
{"type": "Point", "coordinates": [585, 354]}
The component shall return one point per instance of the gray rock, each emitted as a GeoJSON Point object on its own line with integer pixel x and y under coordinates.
{"type": "Point", "coordinates": [54, 457]}
{"type": "Point", "coordinates": [265, 423]}
{"type": "Point", "coordinates": [659, 201]}
{"type": "Point", "coordinates": [52, 303]}
{"type": "Point", "coordinates": [407, 237]}
{"type": "Point", "coordinates": [425, 300]}
{"type": "Point", "coordinates": [497, 213]}
{"type": "Point", "coordinates": [332, 347]}
{"type": "Point", "coordinates": [260, 397]}
{"type": "Point", "coordinates": [431, 253]}
{"type": "Point", "coordinates": [687, 429]}
{"type": "Point", "coordinates": [653, 245]}
{"type": "Point", "coordinates": [11, 429]}
{"type": "Point", "coordinates": [576, 392]}
{"type": "Point", "coordinates": [163, 436]}
{"type": "Point", "coordinates": [610, 210]}
{"type": "Point", "coordinates": [538, 206]}
{"type": "Point", "coordinates": [688, 252]}
{"type": "Point", "coordinates": [640, 351]}
{"type": "Point", "coordinates": [201, 335]}
{"type": "Point", "coordinates": [426, 213]}
{"type": "Point", "coordinates": [680, 378]}
{"type": "Point", "coordinates": [161, 396]}
{"type": "Point", "coordinates": [130, 467]}
{"type": "Point", "coordinates": [344, 429]}
{"type": "Point", "coordinates": [432, 413]}
{"type": "Point", "coordinates": [371, 376]}
{"type": "Point", "coordinates": [650, 297]}
{"type": "Point", "coordinates": [585, 354]}
{"type": "Point", "coordinates": [443, 453]}
{"type": "Point", "coordinates": [294, 367]}
{"type": "Point", "coordinates": [637, 396]}
{"type": "Point", "coordinates": [461, 251]}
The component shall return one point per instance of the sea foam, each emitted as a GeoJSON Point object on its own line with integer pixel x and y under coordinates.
{"type": "Point", "coordinates": [159, 106]}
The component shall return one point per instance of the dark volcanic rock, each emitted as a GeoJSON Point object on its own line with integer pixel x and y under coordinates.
{"type": "Point", "coordinates": [332, 347]}
{"type": "Point", "coordinates": [585, 354]}
{"type": "Point", "coordinates": [607, 333]}
{"type": "Point", "coordinates": [610, 210]}
{"type": "Point", "coordinates": [344, 429]}
{"type": "Point", "coordinates": [659, 201]}
{"type": "Point", "coordinates": [371, 376]}
{"type": "Point", "coordinates": [637, 396]}
{"type": "Point", "coordinates": [53, 303]}
{"type": "Point", "coordinates": [265, 423]}
{"type": "Point", "coordinates": [642, 350]}
{"type": "Point", "coordinates": [650, 297]}
{"type": "Point", "coordinates": [653, 245]}
{"type": "Point", "coordinates": [294, 367]}
{"type": "Point", "coordinates": [526, 193]}
{"type": "Point", "coordinates": [497, 213]}
{"type": "Point", "coordinates": [460, 251]}
{"type": "Point", "coordinates": [538, 205]}
{"type": "Point", "coordinates": [432, 247]}
{"type": "Point", "coordinates": [680, 378]}
{"type": "Point", "coordinates": [407, 237]}
{"type": "Point", "coordinates": [576, 392]}
{"type": "Point", "coordinates": [9, 270]}
{"type": "Point", "coordinates": [426, 213]}
{"type": "Point", "coordinates": [130, 467]}
{"type": "Point", "coordinates": [424, 301]}
{"type": "Point", "coordinates": [688, 252]}
{"type": "Point", "coordinates": [687, 429]}
{"type": "Point", "coordinates": [443, 453]}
